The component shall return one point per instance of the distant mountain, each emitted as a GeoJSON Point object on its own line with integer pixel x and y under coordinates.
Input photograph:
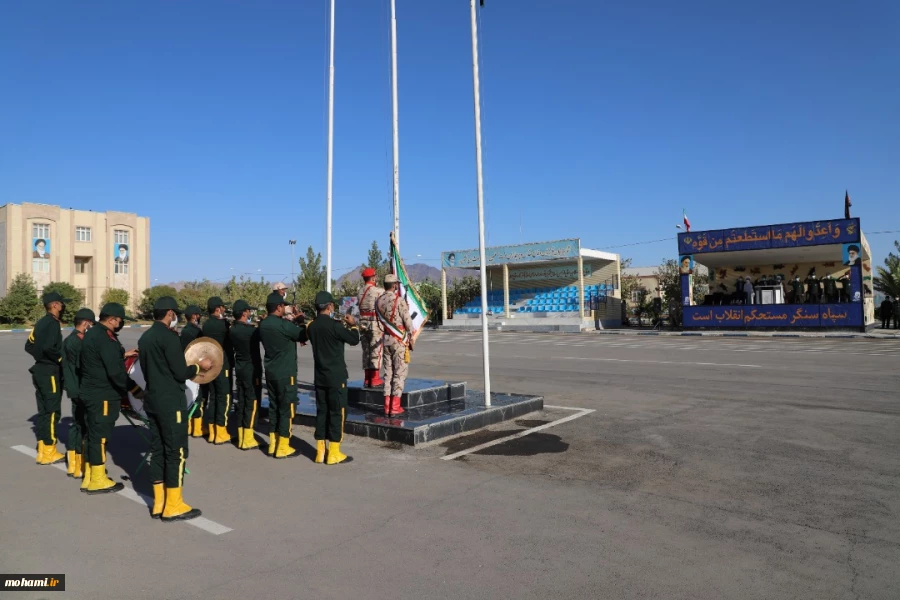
{"type": "Point", "coordinates": [417, 272]}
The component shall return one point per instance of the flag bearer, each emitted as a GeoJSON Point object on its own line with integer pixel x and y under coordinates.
{"type": "Point", "coordinates": [393, 313]}
{"type": "Point", "coordinates": [247, 373]}
{"type": "Point", "coordinates": [84, 319]}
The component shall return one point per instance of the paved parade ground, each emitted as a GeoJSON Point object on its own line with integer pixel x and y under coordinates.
{"type": "Point", "coordinates": [710, 468]}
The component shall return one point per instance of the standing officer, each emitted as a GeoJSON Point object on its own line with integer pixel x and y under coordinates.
{"type": "Point", "coordinates": [165, 371]}
{"type": "Point", "coordinates": [328, 337]}
{"type": "Point", "coordinates": [830, 286]}
{"type": "Point", "coordinates": [190, 332]}
{"type": "Point", "coordinates": [216, 327]}
{"type": "Point", "coordinates": [886, 311]}
{"type": "Point", "coordinates": [104, 382]}
{"type": "Point", "coordinates": [393, 313]}
{"type": "Point", "coordinates": [84, 318]}
{"type": "Point", "coordinates": [370, 329]}
{"type": "Point", "coordinates": [796, 290]}
{"type": "Point", "coordinates": [812, 288]}
{"type": "Point", "coordinates": [279, 338]}
{"type": "Point", "coordinates": [247, 372]}
{"type": "Point", "coordinates": [45, 344]}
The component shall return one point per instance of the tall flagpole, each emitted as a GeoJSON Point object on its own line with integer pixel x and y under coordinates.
{"type": "Point", "coordinates": [396, 123]}
{"type": "Point", "coordinates": [481, 253]}
{"type": "Point", "coordinates": [330, 151]}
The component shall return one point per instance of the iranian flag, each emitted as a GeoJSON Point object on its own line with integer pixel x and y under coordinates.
{"type": "Point", "coordinates": [417, 310]}
{"type": "Point", "coordinates": [687, 224]}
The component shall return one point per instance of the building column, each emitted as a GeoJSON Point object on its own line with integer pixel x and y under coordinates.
{"type": "Point", "coordinates": [443, 294]}
{"type": "Point", "coordinates": [506, 290]}
{"type": "Point", "coordinates": [581, 286]}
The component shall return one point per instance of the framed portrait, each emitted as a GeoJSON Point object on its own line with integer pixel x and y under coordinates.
{"type": "Point", "coordinates": [40, 248]}
{"type": "Point", "coordinates": [851, 255]}
{"type": "Point", "coordinates": [686, 264]}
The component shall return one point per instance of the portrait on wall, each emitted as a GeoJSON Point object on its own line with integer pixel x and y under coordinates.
{"type": "Point", "coordinates": [121, 254]}
{"type": "Point", "coordinates": [451, 259]}
{"type": "Point", "coordinates": [40, 248]}
{"type": "Point", "coordinates": [851, 255]}
{"type": "Point", "coordinates": [686, 264]}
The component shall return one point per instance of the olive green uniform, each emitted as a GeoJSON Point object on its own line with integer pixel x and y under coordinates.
{"type": "Point", "coordinates": [165, 371]}
{"type": "Point", "coordinates": [189, 333]}
{"type": "Point", "coordinates": [328, 337]}
{"type": "Point", "coordinates": [71, 377]}
{"type": "Point", "coordinates": [830, 289]}
{"type": "Point", "coordinates": [220, 387]}
{"type": "Point", "coordinates": [45, 344]}
{"type": "Point", "coordinates": [104, 382]}
{"type": "Point", "coordinates": [279, 338]}
{"type": "Point", "coordinates": [247, 371]}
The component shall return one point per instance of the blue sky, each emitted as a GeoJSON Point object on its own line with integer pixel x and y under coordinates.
{"type": "Point", "coordinates": [601, 121]}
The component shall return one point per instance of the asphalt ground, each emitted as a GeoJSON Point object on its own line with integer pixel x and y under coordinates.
{"type": "Point", "coordinates": [710, 468]}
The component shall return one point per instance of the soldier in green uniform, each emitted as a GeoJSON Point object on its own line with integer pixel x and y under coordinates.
{"type": "Point", "coordinates": [247, 372]}
{"type": "Point", "coordinates": [796, 290]}
{"type": "Point", "coordinates": [45, 345]}
{"type": "Point", "coordinates": [830, 286]}
{"type": "Point", "coordinates": [216, 327]}
{"type": "Point", "coordinates": [84, 318]}
{"type": "Point", "coordinates": [165, 371]}
{"type": "Point", "coordinates": [279, 338]}
{"type": "Point", "coordinates": [189, 333]}
{"type": "Point", "coordinates": [104, 382]}
{"type": "Point", "coordinates": [328, 337]}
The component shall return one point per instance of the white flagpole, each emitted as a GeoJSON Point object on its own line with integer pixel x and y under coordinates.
{"type": "Point", "coordinates": [484, 288]}
{"type": "Point", "coordinates": [396, 122]}
{"type": "Point", "coordinates": [330, 151]}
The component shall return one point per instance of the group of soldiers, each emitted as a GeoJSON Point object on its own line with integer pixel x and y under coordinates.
{"type": "Point", "coordinates": [90, 366]}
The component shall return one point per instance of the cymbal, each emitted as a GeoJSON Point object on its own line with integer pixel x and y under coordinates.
{"type": "Point", "coordinates": [205, 347]}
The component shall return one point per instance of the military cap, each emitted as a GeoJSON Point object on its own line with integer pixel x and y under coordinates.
{"type": "Point", "coordinates": [368, 272]}
{"type": "Point", "coordinates": [239, 307]}
{"type": "Point", "coordinates": [167, 303]}
{"type": "Point", "coordinates": [323, 298]}
{"type": "Point", "coordinates": [274, 298]}
{"type": "Point", "coordinates": [192, 310]}
{"type": "Point", "coordinates": [214, 303]}
{"type": "Point", "coordinates": [53, 297]}
{"type": "Point", "coordinates": [85, 314]}
{"type": "Point", "coordinates": [391, 278]}
{"type": "Point", "coordinates": [113, 309]}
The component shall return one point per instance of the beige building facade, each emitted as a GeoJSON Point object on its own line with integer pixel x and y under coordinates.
{"type": "Point", "coordinates": [93, 251]}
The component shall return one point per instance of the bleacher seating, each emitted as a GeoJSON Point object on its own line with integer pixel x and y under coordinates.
{"type": "Point", "coordinates": [536, 300]}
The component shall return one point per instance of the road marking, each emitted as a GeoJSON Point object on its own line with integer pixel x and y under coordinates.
{"type": "Point", "coordinates": [581, 412]}
{"type": "Point", "coordinates": [129, 492]}
{"type": "Point", "coordinates": [635, 360]}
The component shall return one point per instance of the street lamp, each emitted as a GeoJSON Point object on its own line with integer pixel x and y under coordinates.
{"type": "Point", "coordinates": [293, 279]}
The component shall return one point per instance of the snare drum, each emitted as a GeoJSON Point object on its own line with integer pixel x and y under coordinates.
{"type": "Point", "coordinates": [133, 367]}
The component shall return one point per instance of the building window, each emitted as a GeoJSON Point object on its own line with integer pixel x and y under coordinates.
{"type": "Point", "coordinates": [40, 247]}
{"type": "Point", "coordinates": [121, 236]}
{"type": "Point", "coordinates": [121, 268]}
{"type": "Point", "coordinates": [82, 234]}
{"type": "Point", "coordinates": [121, 251]}
{"type": "Point", "coordinates": [40, 230]}
{"type": "Point", "coordinates": [40, 265]}
{"type": "Point", "coordinates": [81, 263]}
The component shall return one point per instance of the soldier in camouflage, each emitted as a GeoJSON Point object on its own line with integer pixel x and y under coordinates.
{"type": "Point", "coordinates": [370, 329]}
{"type": "Point", "coordinates": [393, 314]}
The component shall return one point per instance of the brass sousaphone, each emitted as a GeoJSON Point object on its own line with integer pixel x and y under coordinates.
{"type": "Point", "coordinates": [201, 348]}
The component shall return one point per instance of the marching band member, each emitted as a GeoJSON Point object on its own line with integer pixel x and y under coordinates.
{"type": "Point", "coordinates": [165, 371]}
{"type": "Point", "coordinates": [84, 318]}
{"type": "Point", "coordinates": [370, 329]}
{"type": "Point", "coordinates": [45, 345]}
{"type": "Point", "coordinates": [279, 338]}
{"type": "Point", "coordinates": [328, 337]}
{"type": "Point", "coordinates": [190, 332]}
{"type": "Point", "coordinates": [216, 327]}
{"type": "Point", "coordinates": [104, 382]}
{"type": "Point", "coordinates": [393, 313]}
{"type": "Point", "coordinates": [247, 372]}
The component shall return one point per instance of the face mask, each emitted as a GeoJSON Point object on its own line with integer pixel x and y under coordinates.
{"type": "Point", "coordinates": [174, 323]}
{"type": "Point", "coordinates": [120, 325]}
{"type": "Point", "coordinates": [62, 310]}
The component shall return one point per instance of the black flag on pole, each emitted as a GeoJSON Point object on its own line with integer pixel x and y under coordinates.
{"type": "Point", "coordinates": [847, 204]}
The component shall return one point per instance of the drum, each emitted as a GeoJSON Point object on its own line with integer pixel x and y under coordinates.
{"type": "Point", "coordinates": [133, 367]}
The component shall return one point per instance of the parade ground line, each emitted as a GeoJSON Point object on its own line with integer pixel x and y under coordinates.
{"type": "Point", "coordinates": [581, 412]}
{"type": "Point", "coordinates": [200, 522]}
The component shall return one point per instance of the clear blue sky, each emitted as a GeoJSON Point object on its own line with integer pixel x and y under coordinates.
{"type": "Point", "coordinates": [602, 120]}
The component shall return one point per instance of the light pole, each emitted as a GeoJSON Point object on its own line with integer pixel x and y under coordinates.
{"type": "Point", "coordinates": [293, 279]}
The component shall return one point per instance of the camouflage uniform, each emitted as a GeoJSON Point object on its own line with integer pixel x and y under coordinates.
{"type": "Point", "coordinates": [369, 327]}
{"type": "Point", "coordinates": [394, 310]}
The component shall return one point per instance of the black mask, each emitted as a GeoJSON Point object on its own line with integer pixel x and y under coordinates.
{"type": "Point", "coordinates": [120, 326]}
{"type": "Point", "coordinates": [62, 310]}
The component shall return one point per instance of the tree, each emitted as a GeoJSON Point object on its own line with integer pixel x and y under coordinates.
{"type": "Point", "coordinates": [252, 292]}
{"type": "Point", "coordinates": [887, 280]}
{"type": "Point", "coordinates": [430, 292]}
{"type": "Point", "coordinates": [21, 301]}
{"type": "Point", "coordinates": [151, 295]}
{"type": "Point", "coordinates": [311, 281]}
{"type": "Point", "coordinates": [377, 261]}
{"type": "Point", "coordinates": [66, 290]}
{"type": "Point", "coordinates": [197, 293]}
{"type": "Point", "coordinates": [115, 295]}
{"type": "Point", "coordinates": [629, 283]}
{"type": "Point", "coordinates": [462, 291]}
{"type": "Point", "coordinates": [348, 289]}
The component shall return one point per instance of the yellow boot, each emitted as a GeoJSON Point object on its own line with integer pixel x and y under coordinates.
{"type": "Point", "coordinates": [334, 454]}
{"type": "Point", "coordinates": [40, 452]}
{"type": "Point", "coordinates": [241, 438]}
{"type": "Point", "coordinates": [320, 451]}
{"type": "Point", "coordinates": [249, 442]}
{"type": "Point", "coordinates": [222, 435]}
{"type": "Point", "coordinates": [70, 463]}
{"type": "Point", "coordinates": [273, 441]}
{"type": "Point", "coordinates": [51, 456]}
{"type": "Point", "coordinates": [176, 509]}
{"type": "Point", "coordinates": [212, 433]}
{"type": "Point", "coordinates": [79, 466]}
{"type": "Point", "coordinates": [190, 427]}
{"type": "Point", "coordinates": [159, 500]}
{"type": "Point", "coordinates": [100, 483]}
{"type": "Point", "coordinates": [284, 448]}
{"type": "Point", "coordinates": [197, 427]}
{"type": "Point", "coordinates": [86, 482]}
